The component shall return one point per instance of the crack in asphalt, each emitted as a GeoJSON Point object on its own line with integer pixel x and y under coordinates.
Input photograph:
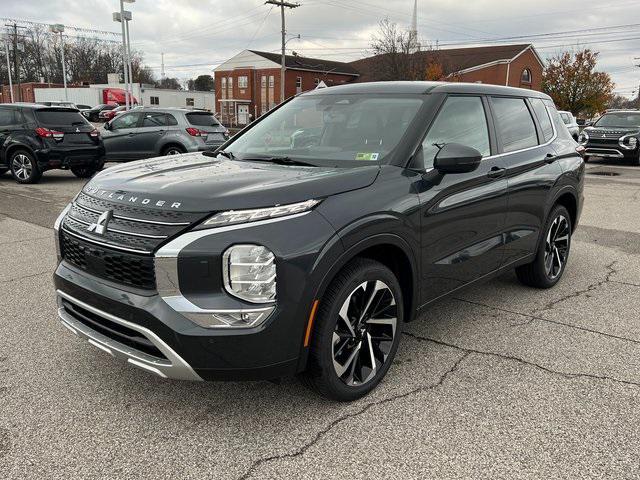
{"type": "Point", "coordinates": [522, 361]}
{"type": "Point", "coordinates": [625, 283]}
{"type": "Point", "coordinates": [15, 279]}
{"type": "Point", "coordinates": [551, 305]}
{"type": "Point", "coordinates": [11, 242]}
{"type": "Point", "coordinates": [532, 318]}
{"type": "Point", "coordinates": [319, 435]}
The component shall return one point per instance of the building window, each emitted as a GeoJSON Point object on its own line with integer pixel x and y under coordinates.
{"type": "Point", "coordinates": [271, 81]}
{"type": "Point", "coordinates": [243, 82]}
{"type": "Point", "coordinates": [223, 108]}
{"type": "Point", "coordinates": [190, 102]}
{"type": "Point", "coordinates": [526, 76]}
{"type": "Point", "coordinates": [223, 87]}
{"type": "Point", "coordinates": [316, 82]}
{"type": "Point", "coordinates": [298, 84]}
{"type": "Point", "coordinates": [155, 100]}
{"type": "Point", "coordinates": [230, 87]}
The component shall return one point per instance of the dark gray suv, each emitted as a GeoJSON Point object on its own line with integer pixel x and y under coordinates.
{"type": "Point", "coordinates": [150, 132]}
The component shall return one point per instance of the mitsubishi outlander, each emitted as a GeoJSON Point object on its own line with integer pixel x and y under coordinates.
{"type": "Point", "coordinates": [304, 243]}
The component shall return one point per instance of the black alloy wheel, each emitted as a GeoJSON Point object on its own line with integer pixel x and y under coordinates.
{"type": "Point", "coordinates": [552, 254]}
{"type": "Point", "coordinates": [357, 331]}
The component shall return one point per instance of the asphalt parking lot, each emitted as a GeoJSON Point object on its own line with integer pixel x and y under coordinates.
{"type": "Point", "coordinates": [501, 381]}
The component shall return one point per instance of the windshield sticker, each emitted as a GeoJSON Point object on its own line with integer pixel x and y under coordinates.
{"type": "Point", "coordinates": [367, 156]}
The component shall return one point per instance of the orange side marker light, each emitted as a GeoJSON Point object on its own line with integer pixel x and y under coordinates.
{"type": "Point", "coordinates": [312, 316]}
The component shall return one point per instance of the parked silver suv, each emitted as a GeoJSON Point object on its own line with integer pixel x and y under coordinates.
{"type": "Point", "coordinates": [151, 132]}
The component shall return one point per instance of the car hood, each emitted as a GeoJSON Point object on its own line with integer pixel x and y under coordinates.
{"type": "Point", "coordinates": [194, 182]}
{"type": "Point", "coordinates": [611, 130]}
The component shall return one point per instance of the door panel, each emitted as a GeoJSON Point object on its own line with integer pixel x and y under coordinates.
{"type": "Point", "coordinates": [151, 133]}
{"type": "Point", "coordinates": [120, 141]}
{"type": "Point", "coordinates": [531, 173]}
{"type": "Point", "coordinates": [462, 215]}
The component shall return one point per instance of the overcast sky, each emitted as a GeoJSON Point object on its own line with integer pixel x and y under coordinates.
{"type": "Point", "coordinates": [198, 34]}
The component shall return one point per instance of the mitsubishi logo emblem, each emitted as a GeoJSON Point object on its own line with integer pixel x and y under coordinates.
{"type": "Point", "coordinates": [100, 227]}
{"type": "Point", "coordinates": [77, 130]}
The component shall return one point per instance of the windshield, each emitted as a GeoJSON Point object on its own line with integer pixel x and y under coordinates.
{"type": "Point", "coordinates": [619, 119]}
{"type": "Point", "coordinates": [331, 129]}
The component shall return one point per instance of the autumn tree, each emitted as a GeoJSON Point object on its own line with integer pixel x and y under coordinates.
{"type": "Point", "coordinates": [574, 84]}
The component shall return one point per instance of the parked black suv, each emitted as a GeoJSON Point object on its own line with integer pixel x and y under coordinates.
{"type": "Point", "coordinates": [305, 244]}
{"type": "Point", "coordinates": [35, 138]}
{"type": "Point", "coordinates": [614, 135]}
{"type": "Point", "coordinates": [93, 114]}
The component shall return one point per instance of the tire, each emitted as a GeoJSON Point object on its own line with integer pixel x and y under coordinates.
{"type": "Point", "coordinates": [340, 357]}
{"type": "Point", "coordinates": [84, 172]}
{"type": "Point", "coordinates": [24, 167]}
{"type": "Point", "coordinates": [553, 252]}
{"type": "Point", "coordinates": [172, 150]}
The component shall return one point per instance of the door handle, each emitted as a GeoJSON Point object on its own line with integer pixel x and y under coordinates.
{"type": "Point", "coordinates": [550, 158]}
{"type": "Point", "coordinates": [131, 134]}
{"type": "Point", "coordinates": [496, 172]}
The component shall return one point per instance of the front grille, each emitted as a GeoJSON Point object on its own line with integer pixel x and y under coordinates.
{"type": "Point", "coordinates": [113, 330]}
{"type": "Point", "coordinates": [124, 252]}
{"type": "Point", "coordinates": [124, 268]}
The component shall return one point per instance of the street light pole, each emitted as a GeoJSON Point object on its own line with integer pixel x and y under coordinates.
{"type": "Point", "coordinates": [127, 18]}
{"type": "Point", "coordinates": [59, 28]}
{"type": "Point", "coordinates": [119, 17]}
{"type": "Point", "coordinates": [282, 4]}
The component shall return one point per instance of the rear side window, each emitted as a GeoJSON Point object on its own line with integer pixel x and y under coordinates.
{"type": "Point", "coordinates": [515, 125]}
{"type": "Point", "coordinates": [8, 117]}
{"type": "Point", "coordinates": [125, 120]}
{"type": "Point", "coordinates": [59, 118]}
{"type": "Point", "coordinates": [154, 120]}
{"type": "Point", "coordinates": [202, 119]}
{"type": "Point", "coordinates": [171, 120]}
{"type": "Point", "coordinates": [543, 118]}
{"type": "Point", "coordinates": [461, 120]}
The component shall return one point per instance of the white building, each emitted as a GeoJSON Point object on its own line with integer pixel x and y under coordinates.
{"type": "Point", "coordinates": [146, 95]}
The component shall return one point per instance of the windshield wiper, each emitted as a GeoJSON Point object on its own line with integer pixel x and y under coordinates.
{"type": "Point", "coordinates": [215, 153]}
{"type": "Point", "coordinates": [280, 161]}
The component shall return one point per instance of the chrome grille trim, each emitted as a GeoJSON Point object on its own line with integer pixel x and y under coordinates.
{"type": "Point", "coordinates": [131, 219]}
{"type": "Point", "coordinates": [122, 232]}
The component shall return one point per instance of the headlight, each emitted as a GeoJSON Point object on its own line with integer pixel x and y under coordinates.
{"type": "Point", "coordinates": [249, 273]}
{"type": "Point", "coordinates": [232, 217]}
{"type": "Point", "coordinates": [583, 137]}
{"type": "Point", "coordinates": [628, 142]}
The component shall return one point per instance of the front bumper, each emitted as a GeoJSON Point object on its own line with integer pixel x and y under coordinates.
{"type": "Point", "coordinates": [609, 150]}
{"type": "Point", "coordinates": [156, 325]}
{"type": "Point", "coordinates": [171, 366]}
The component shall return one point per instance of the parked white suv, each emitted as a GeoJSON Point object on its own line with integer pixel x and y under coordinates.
{"type": "Point", "coordinates": [571, 123]}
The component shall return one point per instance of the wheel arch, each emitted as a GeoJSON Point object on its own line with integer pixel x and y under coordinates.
{"type": "Point", "coordinates": [390, 250]}
{"type": "Point", "coordinates": [171, 143]}
{"type": "Point", "coordinates": [16, 146]}
{"type": "Point", "coordinates": [568, 198]}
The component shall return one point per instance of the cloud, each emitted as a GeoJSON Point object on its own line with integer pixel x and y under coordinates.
{"type": "Point", "coordinates": [195, 34]}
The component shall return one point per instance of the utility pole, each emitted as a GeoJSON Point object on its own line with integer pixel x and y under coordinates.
{"type": "Point", "coordinates": [6, 50]}
{"type": "Point", "coordinates": [16, 64]}
{"type": "Point", "coordinates": [162, 65]}
{"type": "Point", "coordinates": [282, 4]}
{"type": "Point", "coordinates": [638, 100]}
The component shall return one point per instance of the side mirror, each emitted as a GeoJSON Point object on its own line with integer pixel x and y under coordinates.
{"type": "Point", "coordinates": [107, 126]}
{"type": "Point", "coordinates": [588, 124]}
{"type": "Point", "coordinates": [456, 158]}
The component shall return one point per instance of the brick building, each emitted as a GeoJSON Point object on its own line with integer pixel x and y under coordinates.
{"type": "Point", "coordinates": [512, 65]}
{"type": "Point", "coordinates": [24, 92]}
{"type": "Point", "coordinates": [248, 84]}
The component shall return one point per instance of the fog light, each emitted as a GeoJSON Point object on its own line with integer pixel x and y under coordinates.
{"type": "Point", "coordinates": [242, 319]}
{"type": "Point", "coordinates": [249, 273]}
